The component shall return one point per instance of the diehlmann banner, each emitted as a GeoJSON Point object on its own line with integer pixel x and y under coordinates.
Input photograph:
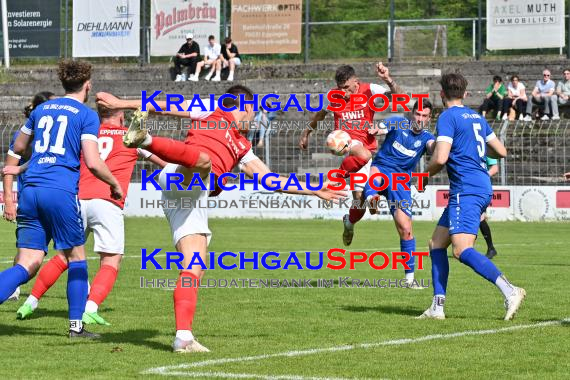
{"type": "Point", "coordinates": [270, 26]}
{"type": "Point", "coordinates": [33, 28]}
{"type": "Point", "coordinates": [171, 20]}
{"type": "Point", "coordinates": [106, 28]}
{"type": "Point", "coordinates": [525, 24]}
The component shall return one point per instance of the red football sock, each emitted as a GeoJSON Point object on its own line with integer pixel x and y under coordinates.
{"type": "Point", "coordinates": [185, 299]}
{"type": "Point", "coordinates": [352, 164]}
{"type": "Point", "coordinates": [102, 284]}
{"type": "Point", "coordinates": [355, 214]}
{"type": "Point", "coordinates": [174, 151]}
{"type": "Point", "coordinates": [48, 275]}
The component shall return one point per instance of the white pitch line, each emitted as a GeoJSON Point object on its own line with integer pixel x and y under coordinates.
{"type": "Point", "coordinates": [228, 375]}
{"type": "Point", "coordinates": [394, 342]}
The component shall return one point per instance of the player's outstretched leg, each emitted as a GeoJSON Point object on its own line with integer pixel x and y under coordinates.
{"type": "Point", "coordinates": [486, 231]}
{"type": "Point", "coordinates": [47, 276]}
{"type": "Point", "coordinates": [136, 134]}
{"type": "Point", "coordinates": [403, 222]}
{"type": "Point", "coordinates": [102, 285]}
{"type": "Point", "coordinates": [439, 271]}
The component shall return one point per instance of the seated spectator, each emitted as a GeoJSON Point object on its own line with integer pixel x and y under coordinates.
{"type": "Point", "coordinates": [261, 122]}
{"type": "Point", "coordinates": [187, 55]}
{"type": "Point", "coordinates": [543, 95]}
{"type": "Point", "coordinates": [230, 57]}
{"type": "Point", "coordinates": [563, 88]}
{"type": "Point", "coordinates": [494, 95]}
{"type": "Point", "coordinates": [212, 54]}
{"type": "Point", "coordinates": [516, 98]}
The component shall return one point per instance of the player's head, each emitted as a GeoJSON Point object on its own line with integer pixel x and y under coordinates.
{"type": "Point", "coordinates": [110, 116]}
{"type": "Point", "coordinates": [75, 77]}
{"type": "Point", "coordinates": [211, 40]}
{"type": "Point", "coordinates": [453, 87]}
{"type": "Point", "coordinates": [346, 80]}
{"type": "Point", "coordinates": [39, 98]}
{"type": "Point", "coordinates": [247, 114]}
{"type": "Point", "coordinates": [420, 119]}
{"type": "Point", "coordinates": [497, 79]}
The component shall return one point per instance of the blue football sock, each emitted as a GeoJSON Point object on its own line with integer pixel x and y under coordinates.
{"type": "Point", "coordinates": [439, 270]}
{"type": "Point", "coordinates": [480, 264]}
{"type": "Point", "coordinates": [77, 288]}
{"type": "Point", "coordinates": [10, 279]}
{"type": "Point", "coordinates": [409, 246]}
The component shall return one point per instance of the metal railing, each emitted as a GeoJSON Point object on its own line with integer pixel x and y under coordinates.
{"type": "Point", "coordinates": [538, 152]}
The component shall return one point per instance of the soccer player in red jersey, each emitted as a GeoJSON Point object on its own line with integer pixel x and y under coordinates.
{"type": "Point", "coordinates": [101, 215]}
{"type": "Point", "coordinates": [203, 151]}
{"type": "Point", "coordinates": [358, 123]}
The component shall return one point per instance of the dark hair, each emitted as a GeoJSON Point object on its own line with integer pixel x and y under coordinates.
{"type": "Point", "coordinates": [497, 78]}
{"type": "Point", "coordinates": [73, 74]}
{"type": "Point", "coordinates": [425, 104]}
{"type": "Point", "coordinates": [453, 85]}
{"type": "Point", "coordinates": [105, 113]}
{"type": "Point", "coordinates": [39, 98]}
{"type": "Point", "coordinates": [563, 71]}
{"type": "Point", "coordinates": [515, 76]}
{"type": "Point", "coordinates": [228, 40]}
{"type": "Point", "coordinates": [237, 90]}
{"type": "Point", "coordinates": [211, 37]}
{"type": "Point", "coordinates": [344, 73]}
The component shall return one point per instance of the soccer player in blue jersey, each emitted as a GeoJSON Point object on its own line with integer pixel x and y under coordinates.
{"type": "Point", "coordinates": [9, 205]}
{"type": "Point", "coordinates": [406, 142]}
{"type": "Point", "coordinates": [464, 139]}
{"type": "Point", "coordinates": [58, 131]}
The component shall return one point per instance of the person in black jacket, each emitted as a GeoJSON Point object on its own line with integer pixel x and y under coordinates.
{"type": "Point", "coordinates": [230, 57]}
{"type": "Point", "coordinates": [187, 55]}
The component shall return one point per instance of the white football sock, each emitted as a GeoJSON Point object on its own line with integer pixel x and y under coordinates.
{"type": "Point", "coordinates": [185, 335]}
{"type": "Point", "coordinates": [438, 303]}
{"type": "Point", "coordinates": [32, 301]}
{"type": "Point", "coordinates": [91, 307]}
{"type": "Point", "coordinates": [504, 286]}
{"type": "Point", "coordinates": [410, 277]}
{"type": "Point", "coordinates": [75, 325]}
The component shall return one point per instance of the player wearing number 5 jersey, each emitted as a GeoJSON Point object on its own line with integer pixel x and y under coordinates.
{"type": "Point", "coordinates": [101, 215]}
{"type": "Point", "coordinates": [58, 131]}
{"type": "Point", "coordinates": [463, 141]}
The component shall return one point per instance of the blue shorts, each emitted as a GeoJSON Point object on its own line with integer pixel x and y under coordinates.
{"type": "Point", "coordinates": [395, 198]}
{"type": "Point", "coordinates": [45, 214]}
{"type": "Point", "coordinates": [463, 213]}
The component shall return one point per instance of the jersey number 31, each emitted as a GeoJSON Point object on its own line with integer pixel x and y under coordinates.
{"type": "Point", "coordinates": [46, 123]}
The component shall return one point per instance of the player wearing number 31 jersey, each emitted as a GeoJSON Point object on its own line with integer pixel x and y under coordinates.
{"type": "Point", "coordinates": [58, 131]}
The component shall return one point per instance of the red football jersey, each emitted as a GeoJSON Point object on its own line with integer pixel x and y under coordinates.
{"type": "Point", "coordinates": [224, 144]}
{"type": "Point", "coordinates": [120, 160]}
{"type": "Point", "coordinates": [361, 113]}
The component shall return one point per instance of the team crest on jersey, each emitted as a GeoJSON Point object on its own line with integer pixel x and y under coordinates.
{"type": "Point", "coordinates": [417, 144]}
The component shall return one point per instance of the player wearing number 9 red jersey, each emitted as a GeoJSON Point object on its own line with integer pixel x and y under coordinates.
{"type": "Point", "coordinates": [58, 131]}
{"type": "Point", "coordinates": [205, 150]}
{"type": "Point", "coordinates": [101, 214]}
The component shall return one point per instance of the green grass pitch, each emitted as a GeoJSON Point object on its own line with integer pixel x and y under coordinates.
{"type": "Point", "coordinates": [242, 323]}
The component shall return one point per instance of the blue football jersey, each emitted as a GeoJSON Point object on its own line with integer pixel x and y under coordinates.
{"type": "Point", "coordinates": [402, 148]}
{"type": "Point", "coordinates": [468, 133]}
{"type": "Point", "coordinates": [58, 126]}
{"type": "Point", "coordinates": [21, 162]}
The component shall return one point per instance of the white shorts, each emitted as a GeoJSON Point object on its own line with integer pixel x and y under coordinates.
{"type": "Point", "coordinates": [237, 62]}
{"type": "Point", "coordinates": [106, 221]}
{"type": "Point", "coordinates": [366, 171]}
{"type": "Point", "coordinates": [185, 221]}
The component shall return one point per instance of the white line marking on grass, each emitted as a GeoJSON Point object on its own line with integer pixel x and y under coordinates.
{"type": "Point", "coordinates": [172, 370]}
{"type": "Point", "coordinates": [251, 376]}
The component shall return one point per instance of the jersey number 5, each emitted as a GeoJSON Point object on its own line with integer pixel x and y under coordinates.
{"type": "Point", "coordinates": [46, 123]}
{"type": "Point", "coordinates": [480, 140]}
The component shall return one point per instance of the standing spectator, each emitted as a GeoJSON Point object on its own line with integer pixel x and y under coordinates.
{"type": "Point", "coordinates": [230, 57]}
{"type": "Point", "coordinates": [187, 55]}
{"type": "Point", "coordinates": [516, 98]}
{"type": "Point", "coordinates": [494, 95]}
{"type": "Point", "coordinates": [543, 95]}
{"type": "Point", "coordinates": [212, 54]}
{"type": "Point", "coordinates": [563, 88]}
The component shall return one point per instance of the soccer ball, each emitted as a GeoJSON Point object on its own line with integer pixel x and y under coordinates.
{"type": "Point", "coordinates": [339, 142]}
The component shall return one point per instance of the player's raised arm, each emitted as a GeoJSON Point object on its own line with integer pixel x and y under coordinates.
{"type": "Point", "coordinates": [112, 102]}
{"type": "Point", "coordinates": [259, 167]}
{"type": "Point", "coordinates": [319, 116]}
{"type": "Point", "coordinates": [384, 74]}
{"type": "Point", "coordinates": [96, 166]}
